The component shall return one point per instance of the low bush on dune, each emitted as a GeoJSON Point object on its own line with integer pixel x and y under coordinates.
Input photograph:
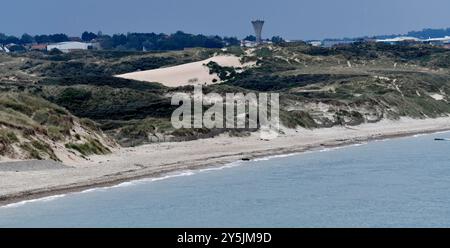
{"type": "Point", "coordinates": [30, 126]}
{"type": "Point", "coordinates": [90, 147]}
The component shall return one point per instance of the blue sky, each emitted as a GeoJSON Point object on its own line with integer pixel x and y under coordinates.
{"type": "Point", "coordinates": [292, 19]}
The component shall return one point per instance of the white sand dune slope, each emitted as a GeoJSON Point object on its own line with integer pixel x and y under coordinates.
{"type": "Point", "coordinates": [187, 74]}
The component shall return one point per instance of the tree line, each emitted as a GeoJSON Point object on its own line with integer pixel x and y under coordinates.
{"type": "Point", "coordinates": [129, 41]}
{"type": "Point", "coordinates": [134, 41]}
{"type": "Point", "coordinates": [153, 41]}
{"type": "Point", "coordinates": [29, 39]}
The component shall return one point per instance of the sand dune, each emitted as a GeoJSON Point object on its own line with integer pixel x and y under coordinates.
{"type": "Point", "coordinates": [187, 74]}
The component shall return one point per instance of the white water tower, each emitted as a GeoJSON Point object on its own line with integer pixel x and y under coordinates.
{"type": "Point", "coordinates": [258, 26]}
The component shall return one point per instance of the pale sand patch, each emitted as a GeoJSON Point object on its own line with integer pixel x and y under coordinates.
{"type": "Point", "coordinates": [156, 159]}
{"type": "Point", "coordinates": [437, 97]}
{"type": "Point", "coordinates": [194, 73]}
{"type": "Point", "coordinates": [31, 165]}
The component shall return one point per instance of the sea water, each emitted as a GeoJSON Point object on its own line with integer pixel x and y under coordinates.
{"type": "Point", "coordinates": [401, 182]}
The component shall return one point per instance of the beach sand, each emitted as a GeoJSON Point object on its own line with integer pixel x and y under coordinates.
{"type": "Point", "coordinates": [195, 73]}
{"type": "Point", "coordinates": [154, 160]}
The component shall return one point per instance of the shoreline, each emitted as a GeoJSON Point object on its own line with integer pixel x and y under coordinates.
{"type": "Point", "coordinates": [124, 174]}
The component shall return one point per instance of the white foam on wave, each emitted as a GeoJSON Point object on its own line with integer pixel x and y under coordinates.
{"type": "Point", "coordinates": [92, 190]}
{"type": "Point", "coordinates": [277, 156]}
{"type": "Point", "coordinates": [342, 147]}
{"type": "Point", "coordinates": [227, 166]}
{"type": "Point", "coordinates": [309, 151]}
{"type": "Point", "coordinates": [44, 199]}
{"type": "Point", "coordinates": [145, 180]}
{"type": "Point", "coordinates": [419, 135]}
{"type": "Point", "coordinates": [381, 140]}
{"type": "Point", "coordinates": [100, 189]}
{"type": "Point", "coordinates": [168, 176]}
{"type": "Point", "coordinates": [441, 132]}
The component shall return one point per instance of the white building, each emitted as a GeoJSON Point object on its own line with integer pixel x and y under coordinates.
{"type": "Point", "coordinates": [69, 46]}
{"type": "Point", "coordinates": [399, 39]}
{"type": "Point", "coordinates": [4, 49]}
{"type": "Point", "coordinates": [433, 41]}
{"type": "Point", "coordinates": [247, 43]}
{"type": "Point", "coordinates": [443, 40]}
{"type": "Point", "coordinates": [315, 43]}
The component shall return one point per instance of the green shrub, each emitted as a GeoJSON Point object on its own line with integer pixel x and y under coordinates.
{"type": "Point", "coordinates": [55, 133]}
{"type": "Point", "coordinates": [263, 52]}
{"type": "Point", "coordinates": [294, 119]}
{"type": "Point", "coordinates": [92, 146]}
{"type": "Point", "coordinates": [74, 95]}
{"type": "Point", "coordinates": [32, 152]}
{"type": "Point", "coordinates": [8, 137]}
{"type": "Point", "coordinates": [224, 73]}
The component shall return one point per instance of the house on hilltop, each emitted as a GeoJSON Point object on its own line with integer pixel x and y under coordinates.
{"type": "Point", "coordinates": [4, 49]}
{"type": "Point", "coordinates": [70, 46]}
{"type": "Point", "coordinates": [38, 47]}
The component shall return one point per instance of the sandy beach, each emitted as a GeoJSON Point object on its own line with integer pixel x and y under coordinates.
{"type": "Point", "coordinates": [153, 160]}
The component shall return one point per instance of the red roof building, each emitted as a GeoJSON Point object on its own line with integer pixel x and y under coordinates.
{"type": "Point", "coordinates": [39, 47]}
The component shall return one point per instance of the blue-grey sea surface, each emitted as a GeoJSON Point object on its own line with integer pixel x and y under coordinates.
{"type": "Point", "coordinates": [401, 182]}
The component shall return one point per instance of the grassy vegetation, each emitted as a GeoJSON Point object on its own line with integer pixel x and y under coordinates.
{"type": "Point", "coordinates": [319, 87]}
{"type": "Point", "coordinates": [234, 50]}
{"type": "Point", "coordinates": [42, 147]}
{"type": "Point", "coordinates": [223, 72]}
{"type": "Point", "coordinates": [101, 81]}
{"type": "Point", "coordinates": [295, 119]}
{"type": "Point", "coordinates": [8, 137]}
{"type": "Point", "coordinates": [261, 82]}
{"type": "Point", "coordinates": [137, 132]}
{"type": "Point", "coordinates": [106, 63]}
{"type": "Point", "coordinates": [90, 147]}
{"type": "Point", "coordinates": [108, 103]}
{"type": "Point", "coordinates": [30, 124]}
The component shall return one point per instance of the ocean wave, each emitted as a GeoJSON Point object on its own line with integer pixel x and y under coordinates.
{"type": "Point", "coordinates": [227, 166]}
{"type": "Point", "coordinates": [328, 149]}
{"type": "Point", "coordinates": [419, 135]}
{"type": "Point", "coordinates": [277, 156]}
{"type": "Point", "coordinates": [441, 132]}
{"type": "Point", "coordinates": [100, 189]}
{"type": "Point", "coordinates": [44, 199]}
{"type": "Point", "coordinates": [147, 180]}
